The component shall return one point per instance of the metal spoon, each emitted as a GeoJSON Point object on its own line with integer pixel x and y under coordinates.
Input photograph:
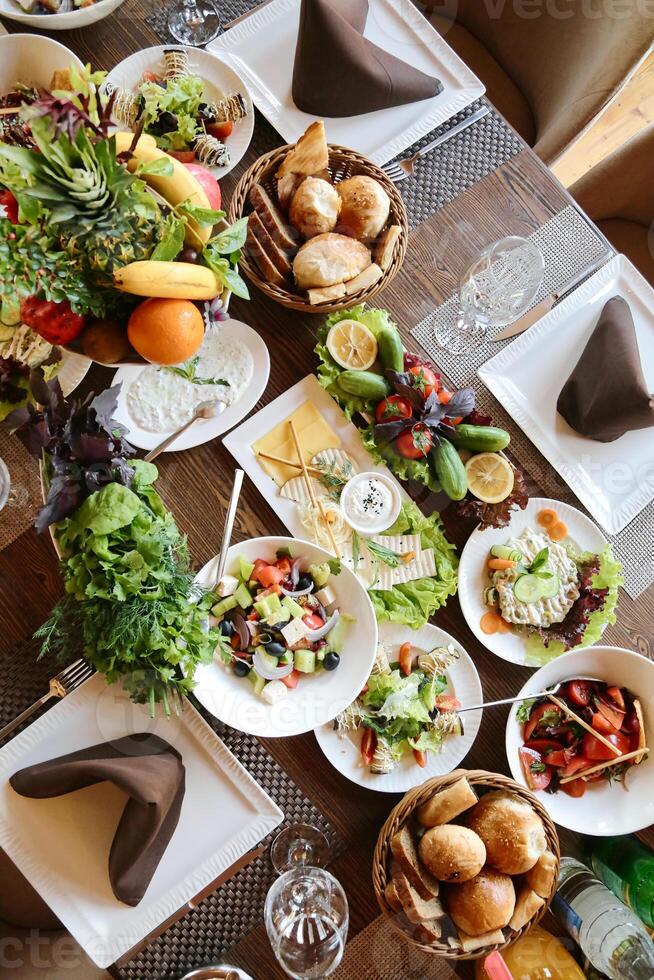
{"type": "Point", "coordinates": [527, 697]}
{"type": "Point", "coordinates": [229, 527]}
{"type": "Point", "coordinates": [205, 410]}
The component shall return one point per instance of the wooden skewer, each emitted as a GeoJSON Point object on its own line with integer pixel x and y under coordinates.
{"type": "Point", "coordinates": [316, 502]}
{"type": "Point", "coordinates": [642, 738]}
{"type": "Point", "coordinates": [605, 765]}
{"type": "Point", "coordinates": [580, 721]}
{"type": "Point", "coordinates": [288, 462]}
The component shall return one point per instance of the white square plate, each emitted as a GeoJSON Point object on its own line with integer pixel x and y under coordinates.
{"type": "Point", "coordinates": [261, 49]}
{"type": "Point", "coordinates": [239, 443]}
{"type": "Point", "coordinates": [62, 845]}
{"type": "Point", "coordinates": [614, 480]}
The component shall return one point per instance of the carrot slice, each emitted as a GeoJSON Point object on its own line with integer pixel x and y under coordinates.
{"type": "Point", "coordinates": [558, 531]}
{"type": "Point", "coordinates": [500, 564]}
{"type": "Point", "coordinates": [547, 517]}
{"type": "Point", "coordinates": [503, 626]}
{"type": "Point", "coordinates": [490, 623]}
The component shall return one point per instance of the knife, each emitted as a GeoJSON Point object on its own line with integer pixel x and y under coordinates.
{"type": "Point", "coordinates": [545, 305]}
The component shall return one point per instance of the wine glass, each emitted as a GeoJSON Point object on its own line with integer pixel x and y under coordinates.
{"type": "Point", "coordinates": [298, 846]}
{"type": "Point", "coordinates": [194, 22]}
{"type": "Point", "coordinates": [5, 484]}
{"type": "Point", "coordinates": [306, 916]}
{"type": "Point", "coordinates": [496, 289]}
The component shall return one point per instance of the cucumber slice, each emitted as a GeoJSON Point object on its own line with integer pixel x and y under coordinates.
{"type": "Point", "coordinates": [503, 551]}
{"type": "Point", "coordinates": [305, 661]}
{"type": "Point", "coordinates": [527, 589]}
{"type": "Point", "coordinates": [549, 584]}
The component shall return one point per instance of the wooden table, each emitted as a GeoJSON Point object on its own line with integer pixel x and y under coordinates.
{"type": "Point", "coordinates": [516, 199]}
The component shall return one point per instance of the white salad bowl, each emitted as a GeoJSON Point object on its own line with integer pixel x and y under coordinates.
{"type": "Point", "coordinates": [30, 58]}
{"type": "Point", "coordinates": [606, 808]}
{"type": "Point", "coordinates": [318, 698]}
{"type": "Point", "coordinates": [66, 21]}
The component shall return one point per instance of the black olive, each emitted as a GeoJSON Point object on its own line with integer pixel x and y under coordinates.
{"type": "Point", "coordinates": [331, 661]}
{"type": "Point", "coordinates": [241, 669]}
{"type": "Point", "coordinates": [188, 255]}
{"type": "Point", "coordinates": [167, 121]}
{"type": "Point", "coordinates": [275, 649]}
{"type": "Point", "coordinates": [304, 582]}
{"type": "Point", "coordinates": [227, 628]}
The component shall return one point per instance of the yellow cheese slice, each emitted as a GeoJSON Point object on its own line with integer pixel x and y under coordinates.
{"type": "Point", "coordinates": [314, 434]}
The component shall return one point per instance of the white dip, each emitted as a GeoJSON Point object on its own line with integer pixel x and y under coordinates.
{"type": "Point", "coordinates": [370, 502]}
{"type": "Point", "coordinates": [160, 400]}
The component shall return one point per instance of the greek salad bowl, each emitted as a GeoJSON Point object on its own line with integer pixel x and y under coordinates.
{"type": "Point", "coordinates": [581, 782]}
{"type": "Point", "coordinates": [299, 638]}
{"type": "Point", "coordinates": [71, 17]}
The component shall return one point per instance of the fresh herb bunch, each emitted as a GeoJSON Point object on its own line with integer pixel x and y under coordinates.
{"type": "Point", "coordinates": [188, 371]}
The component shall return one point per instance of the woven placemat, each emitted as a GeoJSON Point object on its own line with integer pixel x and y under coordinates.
{"type": "Point", "coordinates": [379, 952]}
{"type": "Point", "coordinates": [569, 244]}
{"type": "Point", "coordinates": [25, 495]}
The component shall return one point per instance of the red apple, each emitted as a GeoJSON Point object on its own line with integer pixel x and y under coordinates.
{"type": "Point", "coordinates": [208, 183]}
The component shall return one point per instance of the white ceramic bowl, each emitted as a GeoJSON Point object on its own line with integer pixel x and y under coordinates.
{"type": "Point", "coordinates": [31, 58]}
{"type": "Point", "coordinates": [317, 699]}
{"type": "Point", "coordinates": [59, 22]}
{"type": "Point", "coordinates": [605, 808]}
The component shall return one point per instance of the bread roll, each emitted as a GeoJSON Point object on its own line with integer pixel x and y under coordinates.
{"type": "Point", "coordinates": [329, 259]}
{"type": "Point", "coordinates": [452, 853]}
{"type": "Point", "coordinates": [314, 208]}
{"type": "Point", "coordinates": [511, 830]}
{"type": "Point", "coordinates": [541, 876]}
{"type": "Point", "coordinates": [365, 207]}
{"type": "Point", "coordinates": [482, 904]}
{"type": "Point", "coordinates": [447, 804]}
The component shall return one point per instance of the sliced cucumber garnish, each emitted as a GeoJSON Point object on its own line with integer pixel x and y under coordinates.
{"type": "Point", "coordinates": [549, 584]}
{"type": "Point", "coordinates": [503, 551]}
{"type": "Point", "coordinates": [527, 588]}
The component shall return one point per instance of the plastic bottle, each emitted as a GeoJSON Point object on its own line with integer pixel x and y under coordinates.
{"type": "Point", "coordinates": [537, 956]}
{"type": "Point", "coordinates": [610, 935]}
{"type": "Point", "coordinates": [626, 866]}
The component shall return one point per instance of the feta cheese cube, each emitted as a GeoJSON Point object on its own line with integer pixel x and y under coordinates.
{"type": "Point", "coordinates": [326, 596]}
{"type": "Point", "coordinates": [273, 692]}
{"type": "Point", "coordinates": [294, 631]}
{"type": "Point", "coordinates": [227, 586]}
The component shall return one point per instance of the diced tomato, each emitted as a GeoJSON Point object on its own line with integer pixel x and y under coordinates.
{"type": "Point", "coordinates": [575, 765]}
{"type": "Point", "coordinates": [537, 774]}
{"type": "Point", "coordinates": [420, 757]}
{"type": "Point", "coordinates": [543, 745]}
{"type": "Point", "coordinates": [268, 575]}
{"type": "Point", "coordinates": [284, 565]}
{"type": "Point", "coordinates": [415, 442]}
{"type": "Point", "coordinates": [292, 679]}
{"type": "Point", "coordinates": [235, 642]}
{"type": "Point", "coordinates": [602, 724]}
{"type": "Point", "coordinates": [149, 76]}
{"type": "Point", "coordinates": [313, 621]}
{"type": "Point", "coordinates": [447, 702]}
{"type": "Point", "coordinates": [221, 130]}
{"type": "Point", "coordinates": [406, 658]}
{"type": "Point", "coordinates": [253, 616]}
{"type": "Point", "coordinates": [424, 379]}
{"type": "Point", "coordinates": [580, 692]}
{"type": "Point", "coordinates": [598, 752]}
{"type": "Point", "coordinates": [537, 713]}
{"type": "Point", "coordinates": [184, 156]}
{"type": "Point", "coordinates": [393, 407]}
{"type": "Point", "coordinates": [368, 745]}
{"type": "Point", "coordinates": [273, 590]}
{"type": "Point", "coordinates": [576, 788]}
{"type": "Point", "coordinates": [616, 695]}
{"type": "Point", "coordinates": [612, 714]}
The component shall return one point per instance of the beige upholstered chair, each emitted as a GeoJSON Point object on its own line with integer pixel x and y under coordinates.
{"type": "Point", "coordinates": [618, 194]}
{"type": "Point", "coordinates": [548, 65]}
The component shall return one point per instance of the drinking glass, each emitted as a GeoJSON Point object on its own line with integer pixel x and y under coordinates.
{"type": "Point", "coordinates": [194, 22]}
{"type": "Point", "coordinates": [5, 484]}
{"type": "Point", "coordinates": [298, 846]}
{"type": "Point", "coordinates": [306, 916]}
{"type": "Point", "coordinates": [496, 289]}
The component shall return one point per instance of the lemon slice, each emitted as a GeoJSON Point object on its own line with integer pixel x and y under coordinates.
{"type": "Point", "coordinates": [352, 345]}
{"type": "Point", "coordinates": [490, 477]}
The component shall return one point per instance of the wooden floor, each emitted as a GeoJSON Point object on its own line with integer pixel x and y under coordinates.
{"type": "Point", "coordinates": [626, 115]}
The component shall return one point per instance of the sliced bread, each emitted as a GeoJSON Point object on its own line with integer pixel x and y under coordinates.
{"type": "Point", "coordinates": [273, 219]}
{"type": "Point", "coordinates": [276, 255]}
{"type": "Point", "coordinates": [417, 910]}
{"type": "Point", "coordinates": [404, 851]}
{"type": "Point", "coordinates": [255, 252]}
{"type": "Point", "coordinates": [428, 932]}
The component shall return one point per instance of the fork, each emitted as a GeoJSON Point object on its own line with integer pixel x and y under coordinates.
{"type": "Point", "coordinates": [61, 685]}
{"type": "Point", "coordinates": [399, 170]}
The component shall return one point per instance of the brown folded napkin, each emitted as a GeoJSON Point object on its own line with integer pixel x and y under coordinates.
{"type": "Point", "coordinates": [606, 394]}
{"type": "Point", "coordinates": [152, 774]}
{"type": "Point", "coordinates": [338, 72]}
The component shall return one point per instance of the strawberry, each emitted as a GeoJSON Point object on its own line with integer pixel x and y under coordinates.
{"type": "Point", "coordinates": [55, 322]}
{"type": "Point", "coordinates": [10, 204]}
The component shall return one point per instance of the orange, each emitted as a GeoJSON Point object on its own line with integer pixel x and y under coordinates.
{"type": "Point", "coordinates": [166, 331]}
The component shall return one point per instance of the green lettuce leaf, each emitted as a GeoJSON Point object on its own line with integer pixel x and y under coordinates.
{"type": "Point", "coordinates": [181, 96]}
{"type": "Point", "coordinates": [413, 603]}
{"type": "Point", "coordinates": [608, 577]}
{"type": "Point", "coordinates": [429, 740]}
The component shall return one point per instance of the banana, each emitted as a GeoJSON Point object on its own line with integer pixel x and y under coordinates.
{"type": "Point", "coordinates": [167, 280]}
{"type": "Point", "coordinates": [180, 186]}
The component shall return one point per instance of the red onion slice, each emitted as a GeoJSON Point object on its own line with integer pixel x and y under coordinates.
{"type": "Point", "coordinates": [296, 595]}
{"type": "Point", "coordinates": [314, 635]}
{"type": "Point", "coordinates": [270, 673]}
{"type": "Point", "coordinates": [241, 628]}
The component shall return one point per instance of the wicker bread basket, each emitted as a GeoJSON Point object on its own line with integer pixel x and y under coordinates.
{"type": "Point", "coordinates": [343, 163]}
{"type": "Point", "coordinates": [481, 781]}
